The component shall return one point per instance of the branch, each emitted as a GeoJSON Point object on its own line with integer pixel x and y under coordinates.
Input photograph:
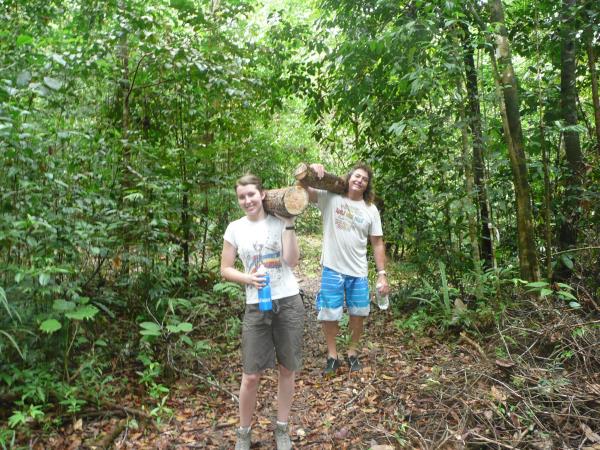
{"type": "Point", "coordinates": [353, 399]}
{"type": "Point", "coordinates": [91, 277]}
{"type": "Point", "coordinates": [201, 377]}
{"type": "Point", "coordinates": [476, 16]}
{"type": "Point", "coordinates": [468, 340]}
{"type": "Point", "coordinates": [109, 438]}
{"type": "Point", "coordinates": [157, 83]}
{"type": "Point", "coordinates": [137, 68]}
{"type": "Point", "coordinates": [136, 173]}
{"type": "Point", "coordinates": [577, 250]}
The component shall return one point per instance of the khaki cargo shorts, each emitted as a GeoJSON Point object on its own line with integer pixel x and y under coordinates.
{"type": "Point", "coordinates": [267, 335]}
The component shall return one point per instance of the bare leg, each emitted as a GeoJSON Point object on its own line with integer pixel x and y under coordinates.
{"type": "Point", "coordinates": [356, 330]}
{"type": "Point", "coordinates": [285, 393]}
{"type": "Point", "coordinates": [248, 390]}
{"type": "Point", "coordinates": [330, 329]}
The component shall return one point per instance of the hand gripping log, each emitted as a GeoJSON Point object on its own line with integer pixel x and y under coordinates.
{"type": "Point", "coordinates": [287, 202]}
{"type": "Point", "coordinates": [306, 176]}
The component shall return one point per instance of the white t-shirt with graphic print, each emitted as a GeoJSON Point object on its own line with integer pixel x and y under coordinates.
{"type": "Point", "coordinates": [347, 225]}
{"type": "Point", "coordinates": [259, 242]}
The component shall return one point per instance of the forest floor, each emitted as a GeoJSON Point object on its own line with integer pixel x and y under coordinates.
{"type": "Point", "coordinates": [414, 392]}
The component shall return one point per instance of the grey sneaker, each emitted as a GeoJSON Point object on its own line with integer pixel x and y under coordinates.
{"type": "Point", "coordinates": [282, 437]}
{"type": "Point", "coordinates": [332, 366]}
{"type": "Point", "coordinates": [354, 363]}
{"type": "Point", "coordinates": [243, 440]}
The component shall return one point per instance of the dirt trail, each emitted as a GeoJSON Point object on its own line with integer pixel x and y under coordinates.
{"type": "Point", "coordinates": [346, 411]}
{"type": "Point", "coordinates": [354, 411]}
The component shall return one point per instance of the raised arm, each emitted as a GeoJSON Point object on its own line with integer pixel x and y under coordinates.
{"type": "Point", "coordinates": [314, 176]}
{"type": "Point", "coordinates": [312, 192]}
{"type": "Point", "coordinates": [290, 252]}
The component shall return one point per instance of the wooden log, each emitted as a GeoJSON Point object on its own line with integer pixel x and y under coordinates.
{"type": "Point", "coordinates": [287, 202]}
{"type": "Point", "coordinates": [306, 176]}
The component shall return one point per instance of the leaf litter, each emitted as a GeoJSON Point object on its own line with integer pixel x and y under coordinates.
{"type": "Point", "coordinates": [416, 392]}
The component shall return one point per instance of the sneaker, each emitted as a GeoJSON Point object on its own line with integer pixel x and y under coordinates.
{"type": "Point", "coordinates": [243, 440]}
{"type": "Point", "coordinates": [332, 366]}
{"type": "Point", "coordinates": [354, 363]}
{"type": "Point", "coordinates": [282, 437]}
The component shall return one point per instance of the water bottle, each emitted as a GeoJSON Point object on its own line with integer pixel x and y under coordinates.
{"type": "Point", "coordinates": [383, 301]}
{"type": "Point", "coordinates": [264, 293]}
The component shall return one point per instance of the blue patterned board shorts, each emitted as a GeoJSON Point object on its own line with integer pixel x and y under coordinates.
{"type": "Point", "coordinates": [337, 287]}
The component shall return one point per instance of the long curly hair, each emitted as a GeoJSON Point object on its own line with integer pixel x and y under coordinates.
{"type": "Point", "coordinates": [369, 193]}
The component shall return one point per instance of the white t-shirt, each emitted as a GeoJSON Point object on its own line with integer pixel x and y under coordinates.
{"type": "Point", "coordinates": [259, 242]}
{"type": "Point", "coordinates": [347, 225]}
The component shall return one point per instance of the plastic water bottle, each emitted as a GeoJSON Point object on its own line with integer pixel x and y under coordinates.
{"type": "Point", "coordinates": [383, 301]}
{"type": "Point", "coordinates": [264, 293]}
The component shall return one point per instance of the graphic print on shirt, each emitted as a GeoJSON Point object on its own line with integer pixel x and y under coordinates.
{"type": "Point", "coordinates": [348, 216]}
{"type": "Point", "coordinates": [268, 253]}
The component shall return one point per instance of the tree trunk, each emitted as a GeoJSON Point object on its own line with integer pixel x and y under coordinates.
{"type": "Point", "coordinates": [307, 177]}
{"type": "Point", "coordinates": [547, 209]}
{"type": "Point", "coordinates": [509, 104]}
{"type": "Point", "coordinates": [594, 80]}
{"type": "Point", "coordinates": [186, 216]}
{"type": "Point", "coordinates": [186, 230]}
{"type": "Point", "coordinates": [474, 120]}
{"type": "Point", "coordinates": [205, 233]}
{"type": "Point", "coordinates": [125, 89]}
{"type": "Point", "coordinates": [567, 237]}
{"type": "Point", "coordinates": [468, 177]}
{"type": "Point", "coordinates": [547, 195]}
{"type": "Point", "coordinates": [287, 202]}
{"type": "Point", "coordinates": [356, 132]}
{"type": "Point", "coordinates": [125, 117]}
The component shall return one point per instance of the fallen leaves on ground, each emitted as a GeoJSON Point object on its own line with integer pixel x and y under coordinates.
{"type": "Point", "coordinates": [414, 392]}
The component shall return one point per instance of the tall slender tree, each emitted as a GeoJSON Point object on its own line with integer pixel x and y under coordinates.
{"type": "Point", "coordinates": [474, 120]}
{"type": "Point", "coordinates": [567, 236]}
{"type": "Point", "coordinates": [591, 17]}
{"type": "Point", "coordinates": [507, 82]}
{"type": "Point", "coordinates": [594, 81]}
{"type": "Point", "coordinates": [468, 175]}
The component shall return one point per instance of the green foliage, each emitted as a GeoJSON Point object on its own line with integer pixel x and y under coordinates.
{"type": "Point", "coordinates": [437, 298]}
{"type": "Point", "coordinates": [14, 319]}
{"type": "Point", "coordinates": [71, 401]}
{"type": "Point", "coordinates": [38, 390]}
{"type": "Point", "coordinates": [29, 413]}
{"type": "Point", "coordinates": [159, 393]}
{"type": "Point", "coordinates": [50, 326]}
{"type": "Point", "coordinates": [415, 322]}
{"type": "Point", "coordinates": [445, 291]}
{"type": "Point", "coordinates": [475, 303]}
{"type": "Point", "coordinates": [233, 327]}
{"type": "Point", "coordinates": [343, 337]}
{"type": "Point", "coordinates": [233, 291]}
{"type": "Point", "coordinates": [7, 438]}
{"type": "Point", "coordinates": [561, 291]}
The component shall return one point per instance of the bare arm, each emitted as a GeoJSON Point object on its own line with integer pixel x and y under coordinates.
{"type": "Point", "coordinates": [320, 171]}
{"type": "Point", "coordinates": [230, 273]}
{"type": "Point", "coordinates": [290, 252]}
{"type": "Point", "coordinates": [379, 255]}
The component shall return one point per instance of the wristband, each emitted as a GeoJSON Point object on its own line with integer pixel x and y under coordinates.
{"type": "Point", "coordinates": [382, 272]}
{"type": "Point", "coordinates": [291, 227]}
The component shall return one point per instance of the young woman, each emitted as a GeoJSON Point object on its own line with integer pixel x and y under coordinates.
{"type": "Point", "coordinates": [265, 243]}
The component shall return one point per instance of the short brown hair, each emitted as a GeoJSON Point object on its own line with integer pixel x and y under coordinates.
{"type": "Point", "coordinates": [369, 193]}
{"type": "Point", "coordinates": [247, 179]}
